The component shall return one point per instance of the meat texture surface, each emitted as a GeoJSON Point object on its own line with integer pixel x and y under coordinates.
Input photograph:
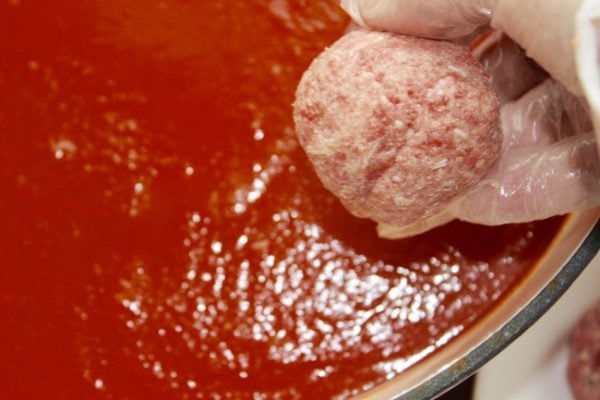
{"type": "Point", "coordinates": [397, 126]}
{"type": "Point", "coordinates": [583, 371]}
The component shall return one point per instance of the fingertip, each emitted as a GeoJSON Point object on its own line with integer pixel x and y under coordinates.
{"type": "Point", "coordinates": [353, 9]}
{"type": "Point", "coordinates": [479, 205]}
{"type": "Point", "coordinates": [536, 183]}
{"type": "Point", "coordinates": [392, 231]}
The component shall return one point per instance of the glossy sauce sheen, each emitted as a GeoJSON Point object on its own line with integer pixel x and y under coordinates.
{"type": "Point", "coordinates": [163, 236]}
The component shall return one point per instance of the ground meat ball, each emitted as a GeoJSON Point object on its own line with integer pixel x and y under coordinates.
{"type": "Point", "coordinates": [397, 126]}
{"type": "Point", "coordinates": [583, 370]}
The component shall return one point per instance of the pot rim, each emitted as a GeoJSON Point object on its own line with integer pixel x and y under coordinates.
{"type": "Point", "coordinates": [462, 368]}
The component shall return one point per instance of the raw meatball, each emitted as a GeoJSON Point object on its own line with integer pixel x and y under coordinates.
{"type": "Point", "coordinates": [397, 126]}
{"type": "Point", "coordinates": [583, 370]}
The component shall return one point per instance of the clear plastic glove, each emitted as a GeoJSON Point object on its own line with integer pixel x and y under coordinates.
{"type": "Point", "coordinates": [436, 19]}
{"type": "Point", "coordinates": [549, 163]}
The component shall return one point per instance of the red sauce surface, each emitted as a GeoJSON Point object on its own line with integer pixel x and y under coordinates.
{"type": "Point", "coordinates": [163, 236]}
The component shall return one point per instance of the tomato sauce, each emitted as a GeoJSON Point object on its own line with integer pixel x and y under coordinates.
{"type": "Point", "coordinates": [163, 236]}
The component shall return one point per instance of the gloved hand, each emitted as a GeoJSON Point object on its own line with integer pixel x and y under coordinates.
{"type": "Point", "coordinates": [550, 163]}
